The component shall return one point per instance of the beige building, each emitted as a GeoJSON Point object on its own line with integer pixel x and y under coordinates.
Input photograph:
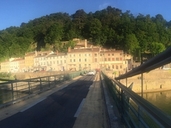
{"type": "Point", "coordinates": [79, 59]}
{"type": "Point", "coordinates": [50, 61]}
{"type": "Point", "coordinates": [5, 66]}
{"type": "Point", "coordinates": [29, 60]}
{"type": "Point", "coordinates": [84, 56]}
{"type": "Point", "coordinates": [56, 61]}
{"type": "Point", "coordinates": [113, 60]}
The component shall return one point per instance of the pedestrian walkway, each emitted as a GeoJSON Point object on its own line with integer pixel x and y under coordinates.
{"type": "Point", "coordinates": [92, 113]}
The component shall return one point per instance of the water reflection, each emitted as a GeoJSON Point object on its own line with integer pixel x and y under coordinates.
{"type": "Point", "coordinates": [162, 100]}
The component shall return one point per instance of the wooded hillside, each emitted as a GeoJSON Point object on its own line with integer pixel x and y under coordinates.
{"type": "Point", "coordinates": [109, 27]}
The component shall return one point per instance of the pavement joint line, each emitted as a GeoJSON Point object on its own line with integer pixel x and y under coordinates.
{"type": "Point", "coordinates": [33, 104]}
{"type": "Point", "coordinates": [79, 108]}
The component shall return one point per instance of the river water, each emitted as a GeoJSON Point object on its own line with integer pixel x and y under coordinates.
{"type": "Point", "coordinates": [162, 100]}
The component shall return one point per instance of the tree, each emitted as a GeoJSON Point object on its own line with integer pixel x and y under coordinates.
{"type": "Point", "coordinates": [79, 20]}
{"type": "Point", "coordinates": [131, 43]}
{"type": "Point", "coordinates": [155, 48]}
{"type": "Point", "coordinates": [95, 30]}
{"type": "Point", "coordinates": [54, 33]}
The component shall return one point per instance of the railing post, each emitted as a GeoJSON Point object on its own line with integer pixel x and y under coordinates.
{"type": "Point", "coordinates": [142, 84]}
{"type": "Point", "coordinates": [126, 79]}
{"type": "Point", "coordinates": [49, 81]}
{"type": "Point", "coordinates": [12, 90]}
{"type": "Point", "coordinates": [40, 84]}
{"type": "Point", "coordinates": [139, 117]}
{"type": "Point", "coordinates": [29, 86]}
{"type": "Point", "coordinates": [55, 80]}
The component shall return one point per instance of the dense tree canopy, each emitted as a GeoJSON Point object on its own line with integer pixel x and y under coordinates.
{"type": "Point", "coordinates": [109, 27]}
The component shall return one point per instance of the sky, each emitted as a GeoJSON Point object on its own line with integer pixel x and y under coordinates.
{"type": "Point", "coordinates": [15, 12]}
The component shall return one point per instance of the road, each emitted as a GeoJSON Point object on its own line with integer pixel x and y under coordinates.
{"type": "Point", "coordinates": [58, 110]}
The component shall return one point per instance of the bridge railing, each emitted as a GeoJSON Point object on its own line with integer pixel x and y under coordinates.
{"type": "Point", "coordinates": [135, 111]}
{"type": "Point", "coordinates": [14, 91]}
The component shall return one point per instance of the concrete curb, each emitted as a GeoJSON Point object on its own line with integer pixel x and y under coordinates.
{"type": "Point", "coordinates": [112, 110]}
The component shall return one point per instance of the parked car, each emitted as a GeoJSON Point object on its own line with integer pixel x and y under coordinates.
{"type": "Point", "coordinates": [91, 73]}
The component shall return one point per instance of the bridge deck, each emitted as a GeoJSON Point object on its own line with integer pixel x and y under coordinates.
{"type": "Point", "coordinates": [91, 113]}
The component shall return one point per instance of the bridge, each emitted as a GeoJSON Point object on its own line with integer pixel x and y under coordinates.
{"type": "Point", "coordinates": [81, 101]}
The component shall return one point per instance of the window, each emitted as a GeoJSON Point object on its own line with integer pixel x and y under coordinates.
{"type": "Point", "coordinates": [95, 54]}
{"type": "Point", "coordinates": [70, 60]}
{"type": "Point", "coordinates": [112, 54]}
{"type": "Point", "coordinates": [85, 60]}
{"type": "Point", "coordinates": [120, 66]}
{"type": "Point", "coordinates": [108, 59]}
{"type": "Point", "coordinates": [95, 59]}
{"type": "Point", "coordinates": [113, 59]}
{"type": "Point", "coordinates": [120, 58]}
{"type": "Point", "coordinates": [108, 54]}
{"type": "Point", "coordinates": [117, 59]}
{"type": "Point", "coordinates": [79, 60]}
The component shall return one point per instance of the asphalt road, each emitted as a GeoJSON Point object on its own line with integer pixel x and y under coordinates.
{"type": "Point", "coordinates": [56, 111]}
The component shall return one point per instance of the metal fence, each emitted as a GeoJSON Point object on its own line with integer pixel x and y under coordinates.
{"type": "Point", "coordinates": [135, 111]}
{"type": "Point", "coordinates": [14, 91]}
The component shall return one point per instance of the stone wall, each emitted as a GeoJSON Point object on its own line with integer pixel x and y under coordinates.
{"type": "Point", "coordinates": [156, 80]}
{"type": "Point", "coordinates": [27, 75]}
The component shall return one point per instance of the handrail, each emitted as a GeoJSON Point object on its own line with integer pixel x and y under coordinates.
{"type": "Point", "coordinates": [151, 109]}
{"type": "Point", "coordinates": [16, 90]}
{"type": "Point", "coordinates": [157, 61]}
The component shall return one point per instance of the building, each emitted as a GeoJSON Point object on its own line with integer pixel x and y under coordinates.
{"type": "Point", "coordinates": [29, 60]}
{"type": "Point", "coordinates": [79, 59]}
{"type": "Point", "coordinates": [84, 56]}
{"type": "Point", "coordinates": [5, 66]}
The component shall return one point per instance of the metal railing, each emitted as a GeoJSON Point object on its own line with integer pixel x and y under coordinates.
{"type": "Point", "coordinates": [14, 91]}
{"type": "Point", "coordinates": [135, 111]}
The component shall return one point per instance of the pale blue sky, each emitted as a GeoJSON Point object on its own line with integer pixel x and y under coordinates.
{"type": "Point", "coordinates": [14, 12]}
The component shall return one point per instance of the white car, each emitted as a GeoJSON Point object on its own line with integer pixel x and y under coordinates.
{"type": "Point", "coordinates": [91, 73]}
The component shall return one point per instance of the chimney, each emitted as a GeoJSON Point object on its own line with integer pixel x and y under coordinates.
{"type": "Point", "coordinates": [69, 49]}
{"type": "Point", "coordinates": [35, 53]}
{"type": "Point", "coordinates": [85, 43]}
{"type": "Point", "coordinates": [57, 52]}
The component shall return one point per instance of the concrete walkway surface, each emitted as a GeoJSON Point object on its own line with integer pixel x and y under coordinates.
{"type": "Point", "coordinates": [95, 110]}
